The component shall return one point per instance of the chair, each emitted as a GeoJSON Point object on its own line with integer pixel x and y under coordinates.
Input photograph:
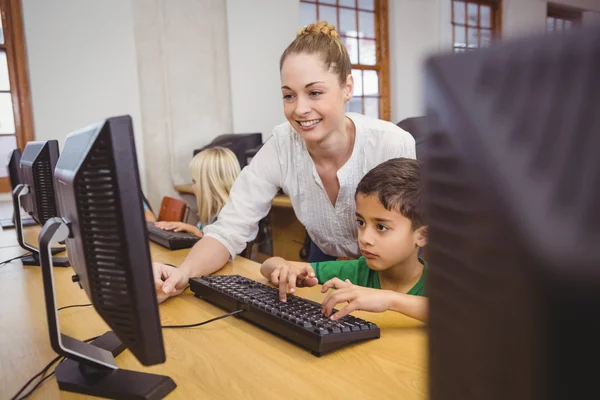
{"type": "Point", "coordinates": [172, 209]}
{"type": "Point", "coordinates": [417, 127]}
{"type": "Point", "coordinates": [239, 143]}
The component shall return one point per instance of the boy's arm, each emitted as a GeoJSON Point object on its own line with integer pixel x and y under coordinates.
{"type": "Point", "coordinates": [374, 300]}
{"type": "Point", "coordinates": [416, 307]}
{"type": "Point", "coordinates": [285, 273]}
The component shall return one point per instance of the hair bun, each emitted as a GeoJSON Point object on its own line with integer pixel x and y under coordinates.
{"type": "Point", "coordinates": [319, 27]}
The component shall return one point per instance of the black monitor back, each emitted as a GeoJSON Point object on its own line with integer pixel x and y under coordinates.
{"type": "Point", "coordinates": [512, 177]}
{"type": "Point", "coordinates": [37, 170]}
{"type": "Point", "coordinates": [14, 168]}
{"type": "Point", "coordinates": [239, 143]}
{"type": "Point", "coordinates": [100, 196]}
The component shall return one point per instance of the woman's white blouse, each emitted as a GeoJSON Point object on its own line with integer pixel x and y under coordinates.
{"type": "Point", "coordinates": [283, 162]}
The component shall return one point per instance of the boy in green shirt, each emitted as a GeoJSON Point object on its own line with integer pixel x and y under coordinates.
{"type": "Point", "coordinates": [391, 230]}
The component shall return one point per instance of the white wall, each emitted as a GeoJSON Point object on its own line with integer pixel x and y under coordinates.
{"type": "Point", "coordinates": [184, 81]}
{"type": "Point", "coordinates": [414, 32]}
{"type": "Point", "coordinates": [258, 32]}
{"type": "Point", "coordinates": [82, 65]}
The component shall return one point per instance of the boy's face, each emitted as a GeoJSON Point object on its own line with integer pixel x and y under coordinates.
{"type": "Point", "coordinates": [385, 238]}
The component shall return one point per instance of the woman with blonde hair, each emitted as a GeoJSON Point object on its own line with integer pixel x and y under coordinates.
{"type": "Point", "coordinates": [317, 158]}
{"type": "Point", "coordinates": [213, 172]}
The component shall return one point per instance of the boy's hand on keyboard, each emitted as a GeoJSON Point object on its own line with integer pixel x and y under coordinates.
{"type": "Point", "coordinates": [287, 275]}
{"type": "Point", "coordinates": [357, 297]}
{"type": "Point", "coordinates": [168, 281]}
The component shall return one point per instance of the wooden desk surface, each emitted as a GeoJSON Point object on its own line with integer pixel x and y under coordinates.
{"type": "Point", "coordinates": [226, 359]}
{"type": "Point", "coordinates": [281, 200]}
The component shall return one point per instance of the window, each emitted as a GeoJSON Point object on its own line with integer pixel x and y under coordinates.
{"type": "Point", "coordinates": [561, 18]}
{"type": "Point", "coordinates": [363, 27]}
{"type": "Point", "coordinates": [16, 127]}
{"type": "Point", "coordinates": [475, 23]}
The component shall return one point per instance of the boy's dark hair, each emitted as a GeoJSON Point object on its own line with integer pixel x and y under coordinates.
{"type": "Point", "coordinates": [397, 184]}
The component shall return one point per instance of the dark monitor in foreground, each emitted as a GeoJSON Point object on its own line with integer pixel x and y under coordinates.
{"type": "Point", "coordinates": [512, 175]}
{"type": "Point", "coordinates": [241, 144]}
{"type": "Point", "coordinates": [14, 175]}
{"type": "Point", "coordinates": [35, 193]}
{"type": "Point", "coordinates": [100, 203]}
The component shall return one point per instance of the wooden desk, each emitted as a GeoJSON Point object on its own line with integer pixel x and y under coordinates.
{"type": "Point", "coordinates": [287, 232]}
{"type": "Point", "coordinates": [226, 359]}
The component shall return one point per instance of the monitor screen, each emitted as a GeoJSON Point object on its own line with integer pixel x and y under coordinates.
{"type": "Point", "coordinates": [512, 177]}
{"type": "Point", "coordinates": [98, 185]}
{"type": "Point", "coordinates": [37, 170]}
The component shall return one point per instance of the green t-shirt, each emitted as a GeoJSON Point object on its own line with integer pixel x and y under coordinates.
{"type": "Point", "coordinates": [359, 273]}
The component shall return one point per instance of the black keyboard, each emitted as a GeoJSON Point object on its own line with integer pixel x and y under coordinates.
{"type": "Point", "coordinates": [169, 239]}
{"type": "Point", "coordinates": [298, 320]}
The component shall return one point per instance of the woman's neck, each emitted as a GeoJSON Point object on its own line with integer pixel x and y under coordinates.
{"type": "Point", "coordinates": [403, 276]}
{"type": "Point", "coordinates": [336, 148]}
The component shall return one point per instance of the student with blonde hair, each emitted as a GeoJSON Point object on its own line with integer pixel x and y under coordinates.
{"type": "Point", "coordinates": [317, 158]}
{"type": "Point", "coordinates": [213, 172]}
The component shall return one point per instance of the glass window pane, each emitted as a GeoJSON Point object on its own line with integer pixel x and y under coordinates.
{"type": "Point", "coordinates": [7, 145]}
{"type": "Point", "coordinates": [1, 32]}
{"type": "Point", "coordinates": [327, 1]}
{"type": "Point", "coordinates": [460, 34]}
{"type": "Point", "coordinates": [366, 24]}
{"type": "Point", "coordinates": [367, 49]}
{"type": "Point", "coordinates": [354, 105]}
{"type": "Point", "coordinates": [472, 14]}
{"type": "Point", "coordinates": [308, 14]}
{"type": "Point", "coordinates": [459, 12]}
{"type": "Point", "coordinates": [366, 4]}
{"type": "Point", "coordinates": [7, 119]}
{"type": "Point", "coordinates": [329, 14]}
{"type": "Point", "coordinates": [550, 24]}
{"type": "Point", "coordinates": [485, 16]}
{"type": "Point", "coordinates": [4, 81]}
{"type": "Point", "coordinates": [352, 47]}
{"type": "Point", "coordinates": [486, 38]}
{"type": "Point", "coordinates": [559, 24]}
{"type": "Point", "coordinates": [372, 107]}
{"type": "Point", "coordinates": [568, 24]}
{"type": "Point", "coordinates": [348, 3]}
{"type": "Point", "coordinates": [371, 83]}
{"type": "Point", "coordinates": [459, 50]}
{"type": "Point", "coordinates": [472, 37]}
{"type": "Point", "coordinates": [358, 84]}
{"type": "Point", "coordinates": [348, 22]}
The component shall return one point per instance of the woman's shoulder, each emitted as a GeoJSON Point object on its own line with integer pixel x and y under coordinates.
{"type": "Point", "coordinates": [377, 130]}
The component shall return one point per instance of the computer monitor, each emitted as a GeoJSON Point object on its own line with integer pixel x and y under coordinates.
{"type": "Point", "coordinates": [239, 143]}
{"type": "Point", "coordinates": [14, 175]}
{"type": "Point", "coordinates": [35, 194]}
{"type": "Point", "coordinates": [102, 222]}
{"type": "Point", "coordinates": [512, 176]}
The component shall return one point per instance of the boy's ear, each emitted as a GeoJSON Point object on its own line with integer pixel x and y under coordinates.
{"type": "Point", "coordinates": [420, 236]}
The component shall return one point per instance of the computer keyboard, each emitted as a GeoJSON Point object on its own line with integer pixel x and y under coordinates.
{"type": "Point", "coordinates": [169, 239]}
{"type": "Point", "coordinates": [298, 320]}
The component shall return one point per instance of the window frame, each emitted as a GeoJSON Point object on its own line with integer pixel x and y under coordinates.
{"type": "Point", "coordinates": [563, 13]}
{"type": "Point", "coordinates": [495, 19]}
{"type": "Point", "coordinates": [382, 54]}
{"type": "Point", "coordinates": [14, 46]}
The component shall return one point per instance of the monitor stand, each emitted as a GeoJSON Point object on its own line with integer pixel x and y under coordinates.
{"type": "Point", "coordinates": [9, 223]}
{"type": "Point", "coordinates": [90, 368]}
{"type": "Point", "coordinates": [34, 258]}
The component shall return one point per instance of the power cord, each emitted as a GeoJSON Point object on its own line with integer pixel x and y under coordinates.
{"type": "Point", "coordinates": [203, 322]}
{"type": "Point", "coordinates": [49, 365]}
{"type": "Point", "coordinates": [73, 306]}
{"type": "Point", "coordinates": [15, 258]}
{"type": "Point", "coordinates": [41, 373]}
